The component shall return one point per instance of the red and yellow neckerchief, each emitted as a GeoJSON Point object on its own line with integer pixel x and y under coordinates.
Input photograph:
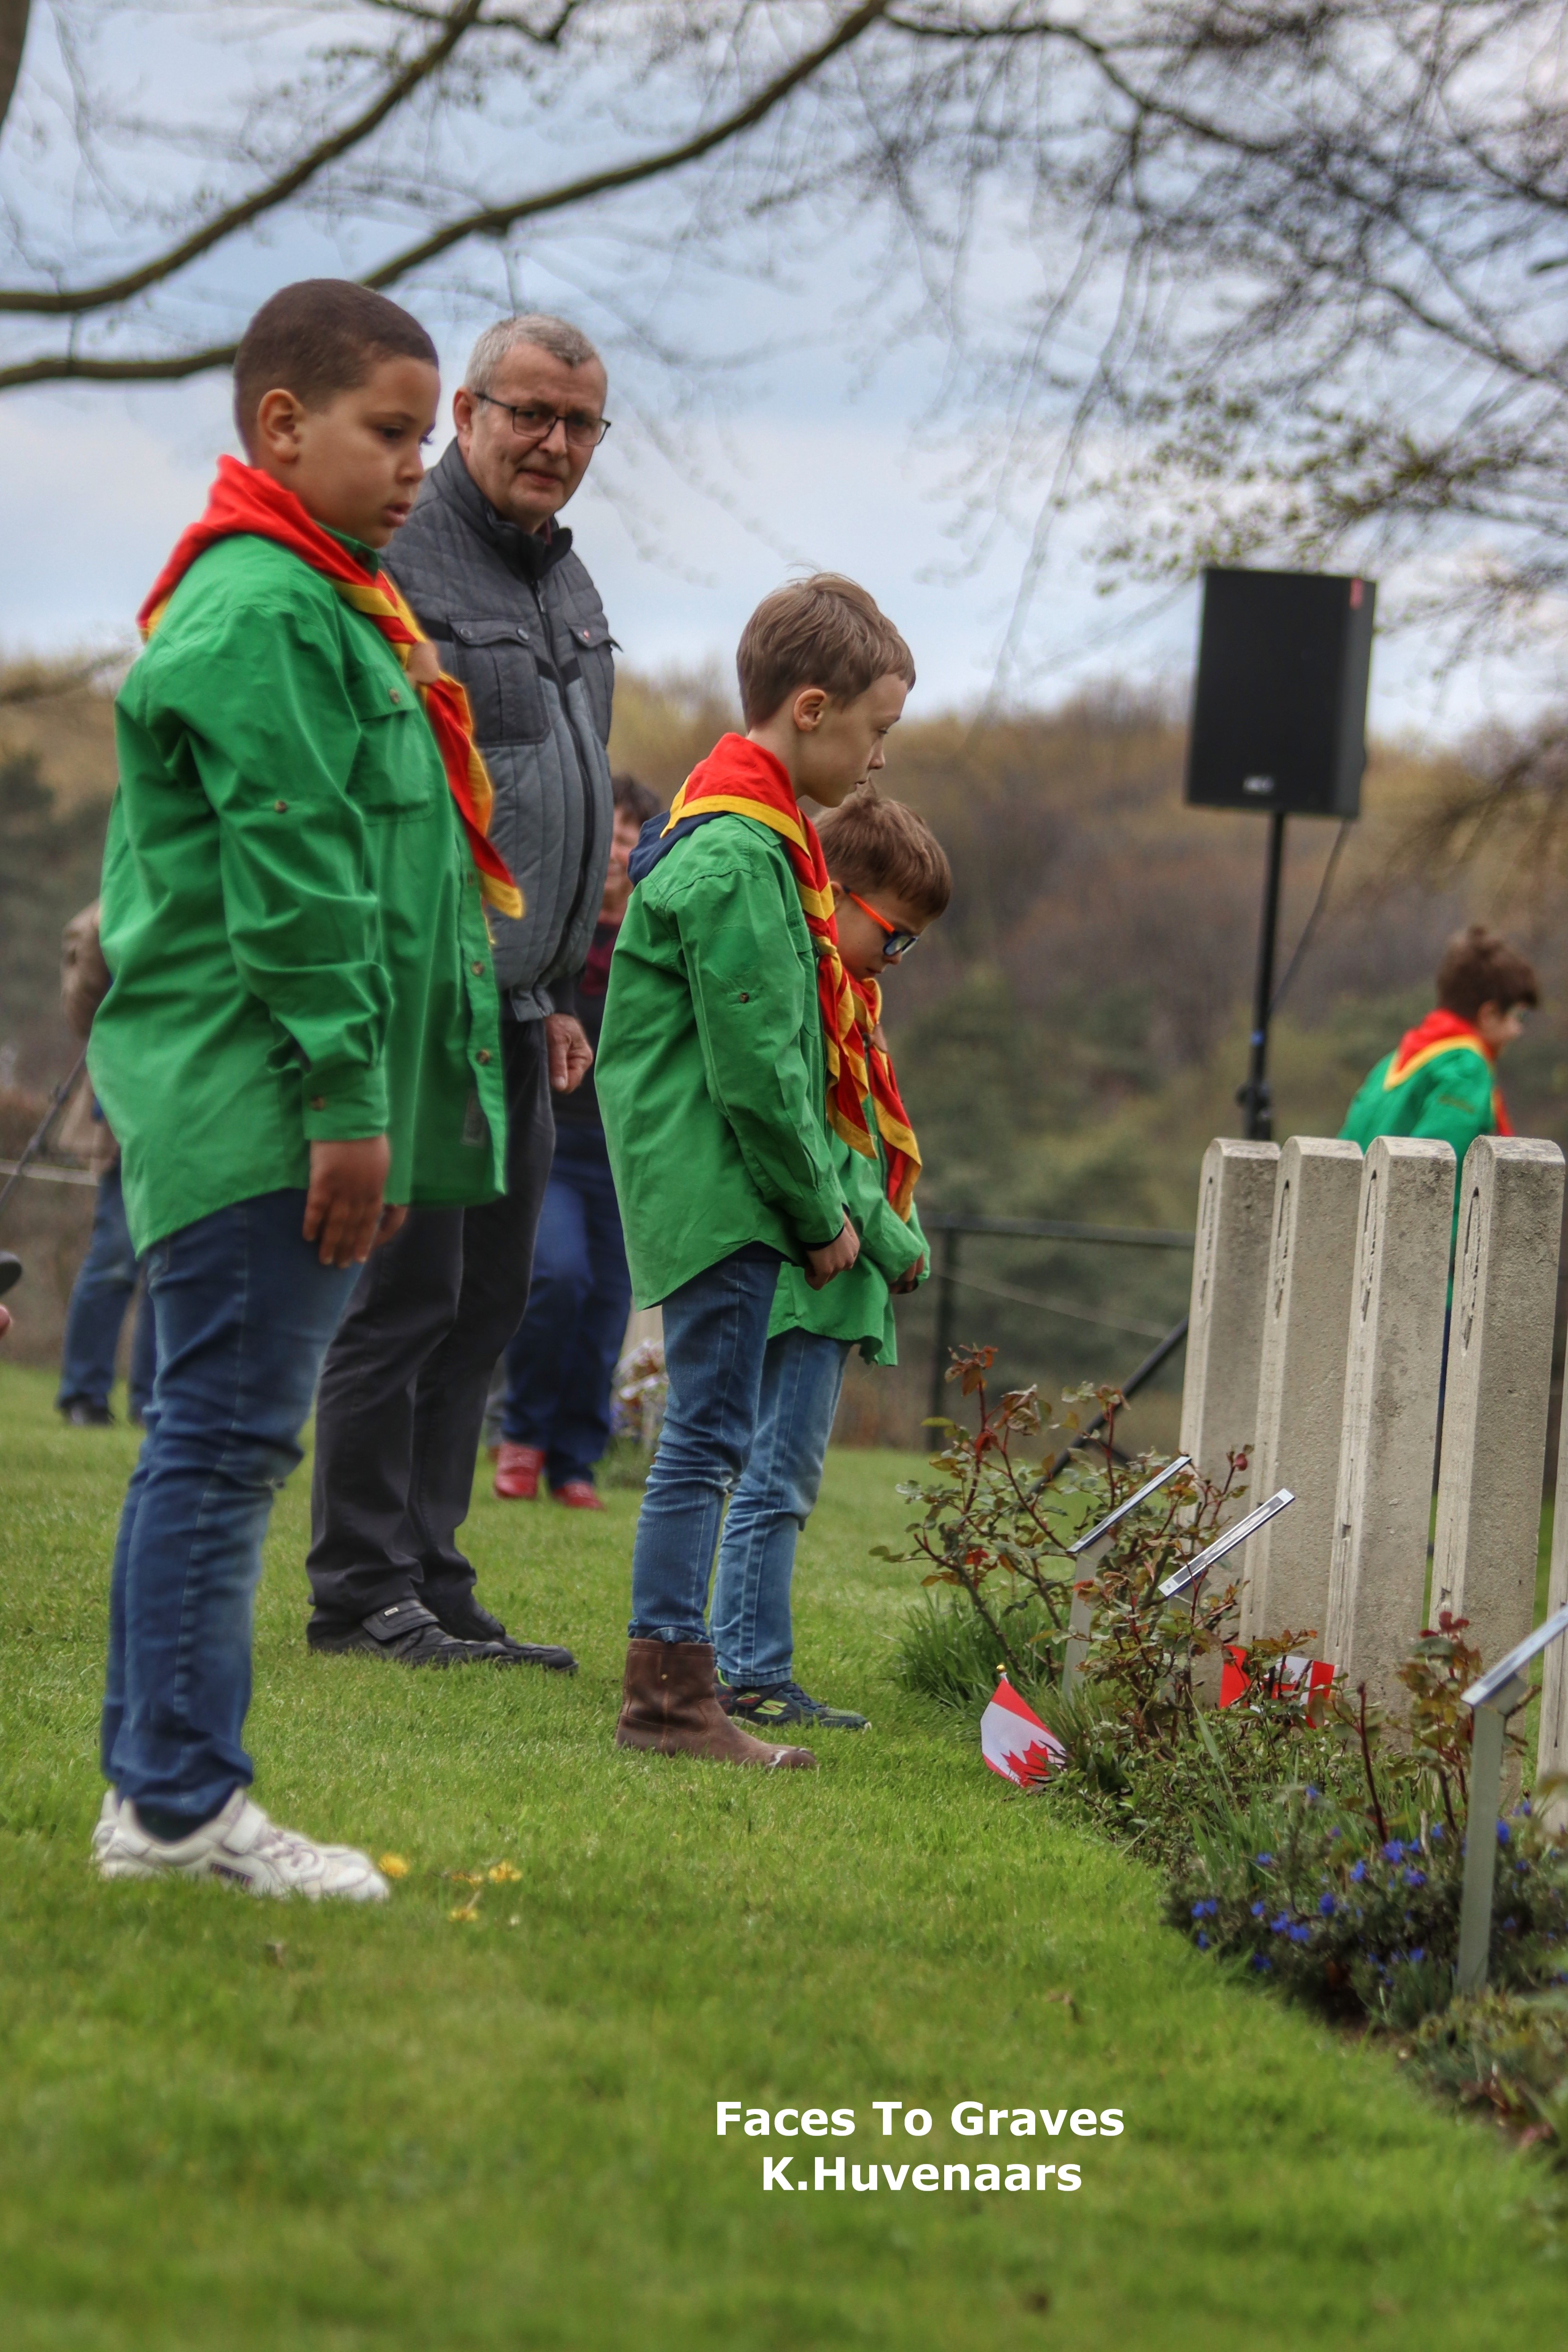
{"type": "Point", "coordinates": [1443, 1033]}
{"type": "Point", "coordinates": [740, 779]}
{"type": "Point", "coordinates": [892, 1125]}
{"type": "Point", "coordinates": [244, 502]}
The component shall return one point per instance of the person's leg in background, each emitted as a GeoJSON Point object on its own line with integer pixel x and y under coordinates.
{"type": "Point", "coordinates": [245, 1311]}
{"type": "Point", "coordinates": [715, 1334]}
{"type": "Point", "coordinates": [99, 1295]}
{"type": "Point", "coordinates": [802, 1376]}
{"type": "Point", "coordinates": [535, 1357]}
{"type": "Point", "coordinates": [363, 1572]}
{"type": "Point", "coordinates": [449, 1402]}
{"type": "Point", "coordinates": [580, 1424]}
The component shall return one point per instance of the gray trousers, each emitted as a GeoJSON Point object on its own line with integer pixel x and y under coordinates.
{"type": "Point", "coordinates": [401, 1398]}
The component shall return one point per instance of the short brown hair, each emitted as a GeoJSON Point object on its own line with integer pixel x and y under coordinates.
{"type": "Point", "coordinates": [871, 844]}
{"type": "Point", "coordinates": [638, 798]}
{"type": "Point", "coordinates": [1478, 968]}
{"type": "Point", "coordinates": [825, 631]}
{"type": "Point", "coordinates": [317, 338]}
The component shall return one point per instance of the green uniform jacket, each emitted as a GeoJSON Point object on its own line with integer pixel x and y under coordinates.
{"type": "Point", "coordinates": [290, 913]}
{"type": "Point", "coordinates": [857, 1308]}
{"type": "Point", "coordinates": [1448, 1099]}
{"type": "Point", "coordinates": [710, 1071]}
{"type": "Point", "coordinates": [1447, 1096]}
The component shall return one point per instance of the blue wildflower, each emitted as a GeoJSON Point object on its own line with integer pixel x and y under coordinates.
{"type": "Point", "coordinates": [1437, 1833]}
{"type": "Point", "coordinates": [1313, 1794]}
{"type": "Point", "coordinates": [1414, 1878]}
{"type": "Point", "coordinates": [1278, 1926]}
{"type": "Point", "coordinates": [1264, 1861]}
{"type": "Point", "coordinates": [1418, 1952]}
{"type": "Point", "coordinates": [1202, 1941]}
{"type": "Point", "coordinates": [1301, 1934]}
{"type": "Point", "coordinates": [1503, 1833]}
{"type": "Point", "coordinates": [1359, 1872]}
{"type": "Point", "coordinates": [1258, 1909]}
{"type": "Point", "coordinates": [1326, 1906]}
{"type": "Point", "coordinates": [1393, 1851]}
{"type": "Point", "coordinates": [1260, 1962]}
{"type": "Point", "coordinates": [1205, 1909]}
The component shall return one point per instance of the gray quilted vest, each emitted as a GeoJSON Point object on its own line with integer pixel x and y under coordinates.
{"type": "Point", "coordinates": [519, 620]}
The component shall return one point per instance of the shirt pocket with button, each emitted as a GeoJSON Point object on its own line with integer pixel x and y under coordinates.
{"type": "Point", "coordinates": [397, 768]}
{"type": "Point", "coordinates": [495, 660]}
{"type": "Point", "coordinates": [595, 649]}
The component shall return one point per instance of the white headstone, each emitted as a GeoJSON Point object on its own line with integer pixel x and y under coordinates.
{"type": "Point", "coordinates": [1377, 1577]}
{"type": "Point", "coordinates": [1301, 1385]}
{"type": "Point", "coordinates": [1500, 1379]}
{"type": "Point", "coordinates": [1229, 1281]}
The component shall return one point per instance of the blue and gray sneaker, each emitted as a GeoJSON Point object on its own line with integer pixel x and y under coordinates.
{"type": "Point", "coordinates": [783, 1703]}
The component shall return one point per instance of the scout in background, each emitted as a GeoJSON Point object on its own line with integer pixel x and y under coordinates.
{"type": "Point", "coordinates": [1440, 1080]}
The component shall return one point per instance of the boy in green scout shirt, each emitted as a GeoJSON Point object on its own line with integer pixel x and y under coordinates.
{"type": "Point", "coordinates": [1440, 1079]}
{"type": "Point", "coordinates": [890, 879]}
{"type": "Point", "coordinates": [730, 1054]}
{"type": "Point", "coordinates": [300, 1034]}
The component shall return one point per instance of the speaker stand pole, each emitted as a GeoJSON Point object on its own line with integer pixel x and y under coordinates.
{"type": "Point", "coordinates": [1254, 1097]}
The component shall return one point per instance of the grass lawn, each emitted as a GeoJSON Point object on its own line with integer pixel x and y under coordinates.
{"type": "Point", "coordinates": [230, 2124]}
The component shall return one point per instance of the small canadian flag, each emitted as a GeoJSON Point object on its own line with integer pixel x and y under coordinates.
{"type": "Point", "coordinates": [1304, 1678]}
{"type": "Point", "coordinates": [1015, 1743]}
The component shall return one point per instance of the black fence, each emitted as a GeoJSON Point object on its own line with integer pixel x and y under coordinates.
{"type": "Point", "coordinates": [946, 1231]}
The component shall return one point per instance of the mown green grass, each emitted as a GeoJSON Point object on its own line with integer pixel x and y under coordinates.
{"type": "Point", "coordinates": [228, 2124]}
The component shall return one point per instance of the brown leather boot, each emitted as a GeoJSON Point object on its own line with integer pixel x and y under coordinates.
{"type": "Point", "coordinates": [670, 1705]}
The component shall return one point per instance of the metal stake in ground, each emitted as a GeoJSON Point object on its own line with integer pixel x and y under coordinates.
{"type": "Point", "coordinates": [1089, 1551]}
{"type": "Point", "coordinates": [1184, 1578]}
{"type": "Point", "coordinates": [1493, 1699]}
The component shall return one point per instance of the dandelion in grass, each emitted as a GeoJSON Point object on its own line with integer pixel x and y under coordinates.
{"type": "Point", "coordinates": [391, 1866]}
{"type": "Point", "coordinates": [503, 1874]}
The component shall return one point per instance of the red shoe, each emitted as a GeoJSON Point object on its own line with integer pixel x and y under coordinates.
{"type": "Point", "coordinates": [580, 1494]}
{"type": "Point", "coordinates": [517, 1471]}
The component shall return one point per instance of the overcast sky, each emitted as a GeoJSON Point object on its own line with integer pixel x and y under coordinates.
{"type": "Point", "coordinates": [95, 487]}
{"type": "Point", "coordinates": [820, 455]}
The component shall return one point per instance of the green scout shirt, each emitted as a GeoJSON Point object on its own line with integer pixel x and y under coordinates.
{"type": "Point", "coordinates": [710, 1071]}
{"type": "Point", "coordinates": [856, 1307]}
{"type": "Point", "coordinates": [290, 912]}
{"type": "Point", "coordinates": [1448, 1099]}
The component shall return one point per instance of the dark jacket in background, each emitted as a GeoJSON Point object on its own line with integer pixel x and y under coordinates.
{"type": "Point", "coordinates": [519, 620]}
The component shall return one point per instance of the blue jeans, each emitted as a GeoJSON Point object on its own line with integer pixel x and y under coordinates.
{"type": "Point", "coordinates": [802, 1374]}
{"type": "Point", "coordinates": [561, 1365]}
{"type": "Point", "coordinates": [715, 1337]}
{"type": "Point", "coordinates": [103, 1289]}
{"type": "Point", "coordinates": [245, 1310]}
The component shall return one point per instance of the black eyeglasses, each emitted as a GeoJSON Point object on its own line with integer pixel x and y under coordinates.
{"type": "Point", "coordinates": [897, 943]}
{"type": "Point", "coordinates": [582, 430]}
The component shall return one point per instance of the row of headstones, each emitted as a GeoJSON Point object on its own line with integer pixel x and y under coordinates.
{"type": "Point", "coordinates": [1320, 1295]}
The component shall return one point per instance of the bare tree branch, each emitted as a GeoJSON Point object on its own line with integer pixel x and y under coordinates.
{"type": "Point", "coordinates": [492, 220]}
{"type": "Point", "coordinates": [75, 303]}
{"type": "Point", "coordinates": [14, 14]}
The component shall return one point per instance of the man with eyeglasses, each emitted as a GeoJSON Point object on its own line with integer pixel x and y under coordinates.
{"type": "Point", "coordinates": [496, 582]}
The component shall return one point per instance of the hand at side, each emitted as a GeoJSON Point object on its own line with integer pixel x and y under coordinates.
{"type": "Point", "coordinates": [343, 1208]}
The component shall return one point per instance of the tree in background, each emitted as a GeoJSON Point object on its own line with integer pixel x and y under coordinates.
{"type": "Point", "coordinates": [1270, 281]}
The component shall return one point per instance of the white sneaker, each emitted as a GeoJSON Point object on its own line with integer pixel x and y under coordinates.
{"type": "Point", "coordinates": [103, 1828]}
{"type": "Point", "coordinates": [241, 1845]}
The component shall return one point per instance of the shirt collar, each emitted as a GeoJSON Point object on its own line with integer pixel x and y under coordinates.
{"type": "Point", "coordinates": [530, 553]}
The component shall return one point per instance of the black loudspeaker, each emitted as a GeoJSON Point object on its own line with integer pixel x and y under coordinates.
{"type": "Point", "coordinates": [1278, 712]}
